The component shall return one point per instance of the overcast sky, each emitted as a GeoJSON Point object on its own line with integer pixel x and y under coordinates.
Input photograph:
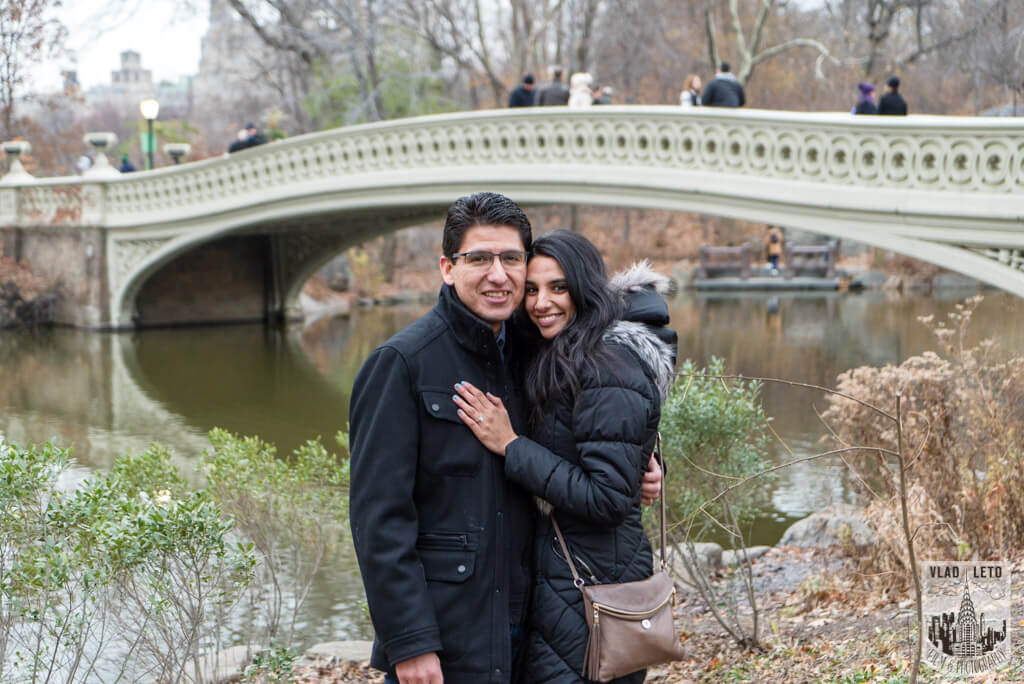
{"type": "Point", "coordinates": [165, 32]}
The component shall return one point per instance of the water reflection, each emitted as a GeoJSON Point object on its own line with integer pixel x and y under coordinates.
{"type": "Point", "coordinates": [110, 394]}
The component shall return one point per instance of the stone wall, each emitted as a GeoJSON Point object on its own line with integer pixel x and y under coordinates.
{"type": "Point", "coordinates": [74, 259]}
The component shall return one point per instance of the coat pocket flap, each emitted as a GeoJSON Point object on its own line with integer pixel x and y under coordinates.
{"type": "Point", "coordinates": [447, 566]}
{"type": "Point", "coordinates": [439, 404]}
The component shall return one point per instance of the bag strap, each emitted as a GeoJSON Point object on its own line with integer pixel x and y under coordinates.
{"type": "Point", "coordinates": [576, 579]}
{"type": "Point", "coordinates": [663, 536]}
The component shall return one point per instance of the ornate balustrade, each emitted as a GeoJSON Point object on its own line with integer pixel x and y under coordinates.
{"type": "Point", "coordinates": [942, 158]}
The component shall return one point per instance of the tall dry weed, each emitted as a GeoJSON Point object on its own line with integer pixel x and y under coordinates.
{"type": "Point", "coordinates": [963, 438]}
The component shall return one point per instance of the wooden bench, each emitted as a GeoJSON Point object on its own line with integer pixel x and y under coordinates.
{"type": "Point", "coordinates": [715, 261]}
{"type": "Point", "coordinates": [813, 260]}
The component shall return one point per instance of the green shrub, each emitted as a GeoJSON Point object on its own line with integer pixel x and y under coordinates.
{"type": "Point", "coordinates": [714, 433]}
{"type": "Point", "coordinates": [120, 574]}
{"type": "Point", "coordinates": [293, 511]}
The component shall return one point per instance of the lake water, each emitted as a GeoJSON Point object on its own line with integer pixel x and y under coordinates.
{"type": "Point", "coordinates": [105, 394]}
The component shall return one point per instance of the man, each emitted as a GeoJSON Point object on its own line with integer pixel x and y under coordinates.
{"type": "Point", "coordinates": [554, 93]}
{"type": "Point", "coordinates": [892, 103]}
{"type": "Point", "coordinates": [442, 538]}
{"type": "Point", "coordinates": [251, 138]}
{"type": "Point", "coordinates": [522, 96]}
{"type": "Point", "coordinates": [724, 90]}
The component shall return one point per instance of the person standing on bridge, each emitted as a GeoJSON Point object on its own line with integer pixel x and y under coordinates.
{"type": "Point", "coordinates": [442, 538]}
{"type": "Point", "coordinates": [250, 138]}
{"type": "Point", "coordinates": [690, 96]}
{"type": "Point", "coordinates": [580, 91]}
{"type": "Point", "coordinates": [892, 103]}
{"type": "Point", "coordinates": [522, 96]}
{"type": "Point", "coordinates": [724, 90]}
{"type": "Point", "coordinates": [865, 100]}
{"type": "Point", "coordinates": [554, 93]}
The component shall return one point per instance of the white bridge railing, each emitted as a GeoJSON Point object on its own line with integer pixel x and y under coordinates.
{"type": "Point", "coordinates": [937, 165]}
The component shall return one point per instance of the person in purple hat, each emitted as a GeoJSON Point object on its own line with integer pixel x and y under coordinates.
{"type": "Point", "coordinates": [865, 100]}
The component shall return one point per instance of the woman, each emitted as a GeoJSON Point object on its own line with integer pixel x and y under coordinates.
{"type": "Point", "coordinates": [579, 90]}
{"type": "Point", "coordinates": [865, 99]}
{"type": "Point", "coordinates": [690, 97]}
{"type": "Point", "coordinates": [595, 386]}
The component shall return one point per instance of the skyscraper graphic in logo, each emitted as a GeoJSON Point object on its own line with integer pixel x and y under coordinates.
{"type": "Point", "coordinates": [966, 627]}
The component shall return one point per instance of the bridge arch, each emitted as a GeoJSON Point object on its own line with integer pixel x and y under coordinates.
{"type": "Point", "coordinates": [304, 238]}
{"type": "Point", "coordinates": [942, 189]}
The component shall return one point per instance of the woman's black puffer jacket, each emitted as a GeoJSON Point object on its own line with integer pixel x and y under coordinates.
{"type": "Point", "coordinates": [586, 461]}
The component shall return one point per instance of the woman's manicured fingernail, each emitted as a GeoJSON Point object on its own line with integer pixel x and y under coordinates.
{"type": "Point", "coordinates": [460, 412]}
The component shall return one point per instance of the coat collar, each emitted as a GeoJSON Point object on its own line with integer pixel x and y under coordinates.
{"type": "Point", "coordinates": [469, 330]}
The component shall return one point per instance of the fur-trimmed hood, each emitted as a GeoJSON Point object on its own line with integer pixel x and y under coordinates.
{"type": "Point", "coordinates": [655, 354]}
{"type": "Point", "coordinates": [638, 331]}
{"type": "Point", "coordinates": [641, 276]}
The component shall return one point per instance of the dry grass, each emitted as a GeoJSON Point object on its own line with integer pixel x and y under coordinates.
{"type": "Point", "coordinates": [832, 627]}
{"type": "Point", "coordinates": [963, 426]}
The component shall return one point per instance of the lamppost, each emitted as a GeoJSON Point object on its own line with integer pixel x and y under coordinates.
{"type": "Point", "coordinates": [149, 108]}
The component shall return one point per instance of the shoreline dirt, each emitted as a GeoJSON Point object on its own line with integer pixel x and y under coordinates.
{"type": "Point", "coordinates": [820, 622]}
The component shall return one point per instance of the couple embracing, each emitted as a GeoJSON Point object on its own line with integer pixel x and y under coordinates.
{"type": "Point", "coordinates": [533, 386]}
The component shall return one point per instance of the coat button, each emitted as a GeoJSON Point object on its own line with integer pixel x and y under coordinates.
{"type": "Point", "coordinates": [461, 569]}
{"type": "Point", "coordinates": [435, 407]}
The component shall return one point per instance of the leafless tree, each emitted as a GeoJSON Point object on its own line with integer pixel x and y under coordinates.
{"type": "Point", "coordinates": [748, 44]}
{"type": "Point", "coordinates": [531, 40]}
{"type": "Point", "coordinates": [996, 55]}
{"type": "Point", "coordinates": [29, 34]}
{"type": "Point", "coordinates": [458, 29]}
{"type": "Point", "coordinates": [892, 34]}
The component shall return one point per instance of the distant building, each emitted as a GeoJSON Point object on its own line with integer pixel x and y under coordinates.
{"type": "Point", "coordinates": [968, 629]}
{"type": "Point", "coordinates": [176, 98]}
{"type": "Point", "coordinates": [131, 75]}
{"type": "Point", "coordinates": [963, 634]}
{"type": "Point", "coordinates": [128, 86]}
{"type": "Point", "coordinates": [71, 83]}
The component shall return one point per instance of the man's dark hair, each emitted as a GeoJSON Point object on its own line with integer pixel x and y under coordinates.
{"type": "Point", "coordinates": [724, 67]}
{"type": "Point", "coordinates": [559, 363]}
{"type": "Point", "coordinates": [894, 83]}
{"type": "Point", "coordinates": [483, 209]}
{"type": "Point", "coordinates": [556, 74]}
{"type": "Point", "coordinates": [528, 79]}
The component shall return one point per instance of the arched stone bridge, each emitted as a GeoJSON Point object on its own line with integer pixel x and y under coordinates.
{"type": "Point", "coordinates": [236, 237]}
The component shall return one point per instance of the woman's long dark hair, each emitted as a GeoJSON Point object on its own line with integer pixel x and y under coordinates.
{"type": "Point", "coordinates": [559, 362]}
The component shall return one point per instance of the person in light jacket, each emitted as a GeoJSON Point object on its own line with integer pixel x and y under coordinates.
{"type": "Point", "coordinates": [690, 96]}
{"type": "Point", "coordinates": [580, 90]}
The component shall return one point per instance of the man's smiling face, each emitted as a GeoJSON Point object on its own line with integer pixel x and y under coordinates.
{"type": "Point", "coordinates": [492, 292]}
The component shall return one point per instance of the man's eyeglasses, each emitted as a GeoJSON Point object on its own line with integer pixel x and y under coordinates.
{"type": "Point", "coordinates": [483, 259]}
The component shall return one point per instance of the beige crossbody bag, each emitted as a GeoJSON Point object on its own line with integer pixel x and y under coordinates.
{"type": "Point", "coordinates": [630, 623]}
